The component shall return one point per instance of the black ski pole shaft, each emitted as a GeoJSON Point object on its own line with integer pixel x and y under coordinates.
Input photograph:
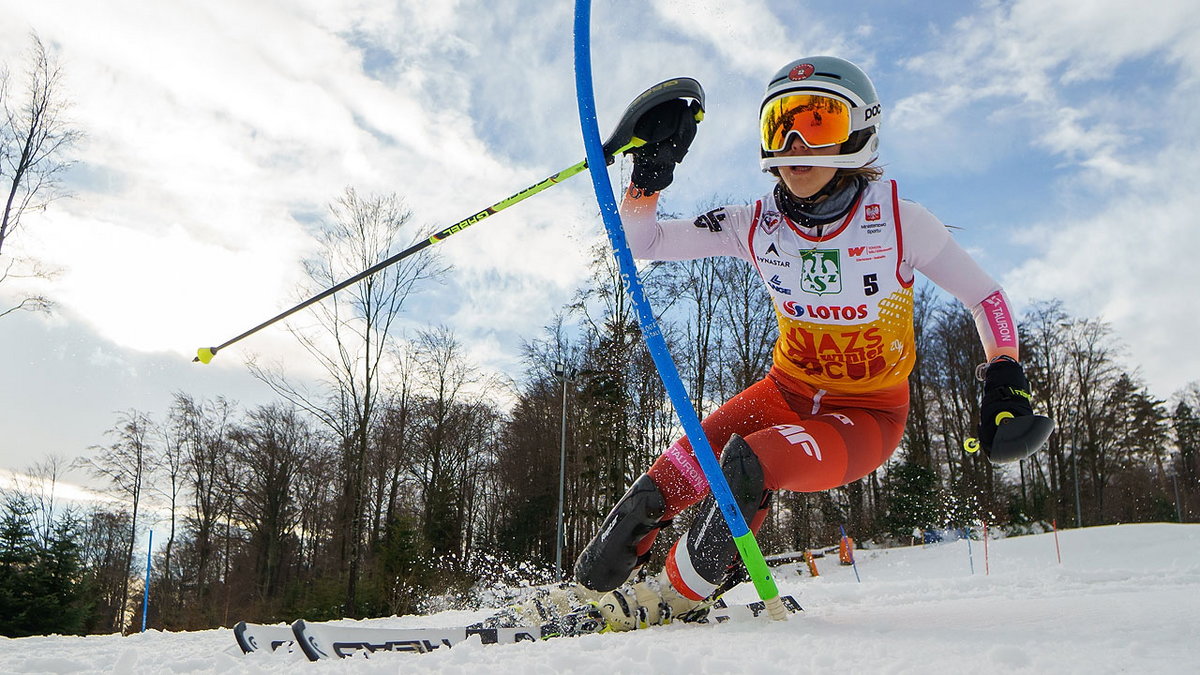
{"type": "Point", "coordinates": [206, 354]}
{"type": "Point", "coordinates": [621, 141]}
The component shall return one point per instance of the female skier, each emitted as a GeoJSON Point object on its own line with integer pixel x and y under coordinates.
{"type": "Point", "coordinates": [838, 250]}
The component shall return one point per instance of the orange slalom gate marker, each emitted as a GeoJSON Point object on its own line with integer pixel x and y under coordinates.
{"type": "Point", "coordinates": [846, 551]}
{"type": "Point", "coordinates": [812, 563]}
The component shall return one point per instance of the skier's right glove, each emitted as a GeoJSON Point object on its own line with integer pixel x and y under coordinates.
{"type": "Point", "coordinates": [668, 129]}
{"type": "Point", "coordinates": [1005, 393]}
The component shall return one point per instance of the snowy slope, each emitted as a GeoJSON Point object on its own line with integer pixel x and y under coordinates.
{"type": "Point", "coordinates": [1125, 599]}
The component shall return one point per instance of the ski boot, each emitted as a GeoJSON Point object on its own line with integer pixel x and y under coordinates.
{"type": "Point", "coordinates": [611, 557]}
{"type": "Point", "coordinates": [651, 602]}
{"type": "Point", "coordinates": [565, 609]}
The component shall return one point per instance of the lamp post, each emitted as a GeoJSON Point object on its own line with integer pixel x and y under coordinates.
{"type": "Point", "coordinates": [560, 371]}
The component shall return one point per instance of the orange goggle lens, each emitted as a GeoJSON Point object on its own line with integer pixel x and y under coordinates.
{"type": "Point", "coordinates": [820, 120]}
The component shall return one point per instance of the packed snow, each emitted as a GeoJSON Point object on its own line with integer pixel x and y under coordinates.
{"type": "Point", "coordinates": [1125, 598]}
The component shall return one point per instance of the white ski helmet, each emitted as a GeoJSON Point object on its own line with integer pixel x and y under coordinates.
{"type": "Point", "coordinates": [809, 96]}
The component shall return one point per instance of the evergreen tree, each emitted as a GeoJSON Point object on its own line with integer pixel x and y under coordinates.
{"type": "Point", "coordinates": [18, 555]}
{"type": "Point", "coordinates": [41, 589]}
{"type": "Point", "coordinates": [913, 500]}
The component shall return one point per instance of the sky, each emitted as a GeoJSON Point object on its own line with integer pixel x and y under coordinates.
{"type": "Point", "coordinates": [1057, 136]}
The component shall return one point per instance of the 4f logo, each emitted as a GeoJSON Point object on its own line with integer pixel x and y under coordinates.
{"type": "Point", "coordinates": [798, 435]}
{"type": "Point", "coordinates": [711, 220]}
{"type": "Point", "coordinates": [821, 271]}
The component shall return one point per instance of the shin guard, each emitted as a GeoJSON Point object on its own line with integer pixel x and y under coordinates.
{"type": "Point", "coordinates": [611, 556]}
{"type": "Point", "coordinates": [698, 562]}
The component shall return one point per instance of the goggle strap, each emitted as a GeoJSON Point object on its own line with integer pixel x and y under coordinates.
{"type": "Point", "coordinates": [852, 161]}
{"type": "Point", "coordinates": [863, 117]}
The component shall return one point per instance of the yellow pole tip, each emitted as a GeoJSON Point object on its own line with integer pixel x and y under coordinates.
{"type": "Point", "coordinates": [205, 354]}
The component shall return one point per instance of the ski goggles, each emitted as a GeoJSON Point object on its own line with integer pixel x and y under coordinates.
{"type": "Point", "coordinates": [819, 119]}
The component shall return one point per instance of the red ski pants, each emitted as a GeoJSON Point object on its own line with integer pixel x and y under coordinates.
{"type": "Point", "coordinates": [807, 440]}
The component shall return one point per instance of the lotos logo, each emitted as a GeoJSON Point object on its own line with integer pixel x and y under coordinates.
{"type": "Point", "coordinates": [793, 308]}
{"type": "Point", "coordinates": [873, 212]}
{"type": "Point", "coordinates": [802, 72]}
{"type": "Point", "coordinates": [821, 271]}
{"type": "Point", "coordinates": [840, 313]}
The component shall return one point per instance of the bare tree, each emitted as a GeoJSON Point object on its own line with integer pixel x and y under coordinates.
{"type": "Point", "coordinates": [38, 485]}
{"type": "Point", "coordinates": [749, 326]}
{"type": "Point", "coordinates": [126, 465]}
{"type": "Point", "coordinates": [270, 448]}
{"type": "Point", "coordinates": [201, 431]}
{"type": "Point", "coordinates": [34, 137]}
{"type": "Point", "coordinates": [441, 457]}
{"type": "Point", "coordinates": [171, 464]}
{"type": "Point", "coordinates": [393, 440]}
{"type": "Point", "coordinates": [25, 268]}
{"type": "Point", "coordinates": [359, 320]}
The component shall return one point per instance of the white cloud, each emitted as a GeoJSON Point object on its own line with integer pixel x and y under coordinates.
{"type": "Point", "coordinates": [219, 131]}
{"type": "Point", "coordinates": [212, 135]}
{"type": "Point", "coordinates": [751, 38]}
{"type": "Point", "coordinates": [1132, 262]}
{"type": "Point", "coordinates": [58, 492]}
{"type": "Point", "coordinates": [1122, 243]}
{"type": "Point", "coordinates": [1012, 65]}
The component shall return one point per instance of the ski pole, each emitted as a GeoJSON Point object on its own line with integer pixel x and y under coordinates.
{"type": "Point", "coordinates": [621, 140]}
{"type": "Point", "coordinates": [743, 537]}
{"type": "Point", "coordinates": [205, 354]}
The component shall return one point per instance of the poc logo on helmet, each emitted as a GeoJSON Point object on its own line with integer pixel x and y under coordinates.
{"type": "Point", "coordinates": [872, 111]}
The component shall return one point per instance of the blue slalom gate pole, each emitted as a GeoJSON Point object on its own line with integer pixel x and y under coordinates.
{"type": "Point", "coordinates": [146, 589]}
{"type": "Point", "coordinates": [743, 538]}
{"type": "Point", "coordinates": [853, 562]}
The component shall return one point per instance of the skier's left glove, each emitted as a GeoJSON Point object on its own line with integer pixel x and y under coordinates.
{"type": "Point", "coordinates": [668, 129]}
{"type": "Point", "coordinates": [1005, 394]}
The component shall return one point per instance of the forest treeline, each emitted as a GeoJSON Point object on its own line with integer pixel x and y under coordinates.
{"type": "Point", "coordinates": [405, 479]}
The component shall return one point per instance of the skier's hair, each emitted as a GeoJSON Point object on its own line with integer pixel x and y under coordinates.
{"type": "Point", "coordinates": [870, 172]}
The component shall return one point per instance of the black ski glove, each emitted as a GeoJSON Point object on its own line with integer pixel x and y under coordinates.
{"type": "Point", "coordinates": [1005, 390]}
{"type": "Point", "coordinates": [668, 129]}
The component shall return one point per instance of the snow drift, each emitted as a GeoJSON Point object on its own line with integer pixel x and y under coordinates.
{"type": "Point", "coordinates": [1125, 598]}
